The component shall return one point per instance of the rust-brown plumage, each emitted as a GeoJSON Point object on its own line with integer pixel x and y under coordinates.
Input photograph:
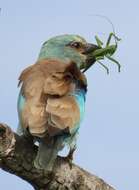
{"type": "Point", "coordinates": [46, 86]}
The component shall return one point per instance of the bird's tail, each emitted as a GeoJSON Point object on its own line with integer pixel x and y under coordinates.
{"type": "Point", "coordinates": [47, 153]}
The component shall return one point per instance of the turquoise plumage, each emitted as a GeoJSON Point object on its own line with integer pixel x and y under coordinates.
{"type": "Point", "coordinates": [51, 102]}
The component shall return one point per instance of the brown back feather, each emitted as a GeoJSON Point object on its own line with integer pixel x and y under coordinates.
{"type": "Point", "coordinates": [42, 80]}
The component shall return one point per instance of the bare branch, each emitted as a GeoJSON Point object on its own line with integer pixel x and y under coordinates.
{"type": "Point", "coordinates": [17, 155]}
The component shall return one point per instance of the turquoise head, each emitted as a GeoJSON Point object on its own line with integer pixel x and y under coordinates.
{"type": "Point", "coordinates": [72, 47]}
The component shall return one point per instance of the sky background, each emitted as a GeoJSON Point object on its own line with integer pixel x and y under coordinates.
{"type": "Point", "coordinates": [108, 144]}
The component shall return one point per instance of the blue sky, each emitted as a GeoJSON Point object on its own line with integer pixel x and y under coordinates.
{"type": "Point", "coordinates": [108, 144]}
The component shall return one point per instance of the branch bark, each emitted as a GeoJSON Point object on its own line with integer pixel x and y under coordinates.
{"type": "Point", "coordinates": [16, 157]}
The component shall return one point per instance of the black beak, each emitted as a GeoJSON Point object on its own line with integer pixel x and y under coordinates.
{"type": "Point", "coordinates": [90, 48]}
{"type": "Point", "coordinates": [90, 59]}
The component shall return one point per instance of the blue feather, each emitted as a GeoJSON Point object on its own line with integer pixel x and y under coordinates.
{"type": "Point", "coordinates": [80, 97]}
{"type": "Point", "coordinates": [20, 106]}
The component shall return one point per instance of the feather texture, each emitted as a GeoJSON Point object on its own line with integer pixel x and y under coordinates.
{"type": "Point", "coordinates": [41, 83]}
{"type": "Point", "coordinates": [51, 105]}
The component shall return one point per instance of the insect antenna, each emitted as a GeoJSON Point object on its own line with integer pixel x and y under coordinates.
{"type": "Point", "coordinates": [116, 39]}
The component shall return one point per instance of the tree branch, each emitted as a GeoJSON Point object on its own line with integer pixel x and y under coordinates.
{"type": "Point", "coordinates": [17, 155]}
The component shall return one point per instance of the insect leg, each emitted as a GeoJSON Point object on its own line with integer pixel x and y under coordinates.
{"type": "Point", "coordinates": [105, 67]}
{"type": "Point", "coordinates": [99, 58]}
{"type": "Point", "coordinates": [99, 42]}
{"type": "Point", "coordinates": [110, 37]}
{"type": "Point", "coordinates": [112, 59]}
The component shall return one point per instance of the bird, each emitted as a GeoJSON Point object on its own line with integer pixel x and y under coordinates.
{"type": "Point", "coordinates": [51, 102]}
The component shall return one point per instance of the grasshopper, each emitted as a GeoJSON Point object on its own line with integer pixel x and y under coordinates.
{"type": "Point", "coordinates": [105, 52]}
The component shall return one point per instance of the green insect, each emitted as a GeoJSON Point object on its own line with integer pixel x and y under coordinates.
{"type": "Point", "coordinates": [107, 51]}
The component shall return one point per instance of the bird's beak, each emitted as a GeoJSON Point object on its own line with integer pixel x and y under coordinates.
{"type": "Point", "coordinates": [90, 59]}
{"type": "Point", "coordinates": [90, 48]}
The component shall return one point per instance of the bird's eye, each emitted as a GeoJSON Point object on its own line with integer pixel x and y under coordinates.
{"type": "Point", "coordinates": [75, 44]}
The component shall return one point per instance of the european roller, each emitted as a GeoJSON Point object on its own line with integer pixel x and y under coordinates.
{"type": "Point", "coordinates": [51, 101]}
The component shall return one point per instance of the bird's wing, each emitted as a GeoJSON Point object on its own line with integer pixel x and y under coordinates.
{"type": "Point", "coordinates": [44, 79]}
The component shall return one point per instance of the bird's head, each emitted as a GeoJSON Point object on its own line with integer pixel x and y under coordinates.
{"type": "Point", "coordinates": [71, 47]}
